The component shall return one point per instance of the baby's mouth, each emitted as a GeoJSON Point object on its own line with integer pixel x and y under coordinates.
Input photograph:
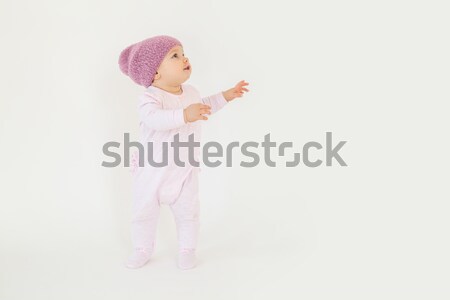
{"type": "Point", "coordinates": [187, 68]}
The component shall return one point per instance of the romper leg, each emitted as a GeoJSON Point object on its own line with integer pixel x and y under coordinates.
{"type": "Point", "coordinates": [186, 210]}
{"type": "Point", "coordinates": [146, 208]}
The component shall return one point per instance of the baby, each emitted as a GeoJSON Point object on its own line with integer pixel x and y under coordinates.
{"type": "Point", "coordinates": [168, 110]}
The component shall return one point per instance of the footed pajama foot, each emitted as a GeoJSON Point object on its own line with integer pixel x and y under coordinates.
{"type": "Point", "coordinates": [186, 259]}
{"type": "Point", "coordinates": [139, 258]}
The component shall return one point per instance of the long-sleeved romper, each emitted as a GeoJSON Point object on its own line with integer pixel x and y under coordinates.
{"type": "Point", "coordinates": [161, 118]}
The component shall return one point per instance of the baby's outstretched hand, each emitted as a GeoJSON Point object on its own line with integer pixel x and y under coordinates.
{"type": "Point", "coordinates": [236, 91]}
{"type": "Point", "coordinates": [195, 112]}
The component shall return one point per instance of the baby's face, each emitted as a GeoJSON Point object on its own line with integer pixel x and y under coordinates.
{"type": "Point", "coordinates": [175, 68]}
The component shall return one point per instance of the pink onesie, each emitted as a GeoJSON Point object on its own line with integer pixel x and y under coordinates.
{"type": "Point", "coordinates": [161, 118]}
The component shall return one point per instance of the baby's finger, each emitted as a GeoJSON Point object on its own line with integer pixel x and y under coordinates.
{"type": "Point", "coordinates": [204, 118]}
{"type": "Point", "coordinates": [205, 106]}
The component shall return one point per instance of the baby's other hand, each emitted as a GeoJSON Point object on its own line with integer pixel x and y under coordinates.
{"type": "Point", "coordinates": [236, 91]}
{"type": "Point", "coordinates": [195, 112]}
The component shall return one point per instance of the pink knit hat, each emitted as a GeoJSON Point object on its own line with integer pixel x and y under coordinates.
{"type": "Point", "coordinates": [141, 60]}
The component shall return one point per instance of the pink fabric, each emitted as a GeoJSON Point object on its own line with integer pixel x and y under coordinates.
{"type": "Point", "coordinates": [187, 259]}
{"type": "Point", "coordinates": [161, 117]}
{"type": "Point", "coordinates": [139, 258]}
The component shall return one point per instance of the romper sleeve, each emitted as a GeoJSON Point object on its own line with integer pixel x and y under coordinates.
{"type": "Point", "coordinates": [152, 114]}
{"type": "Point", "coordinates": [216, 101]}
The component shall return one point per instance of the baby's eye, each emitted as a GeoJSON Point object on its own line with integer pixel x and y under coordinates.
{"type": "Point", "coordinates": [175, 55]}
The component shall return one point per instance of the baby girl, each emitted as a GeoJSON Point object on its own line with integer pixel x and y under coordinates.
{"type": "Point", "coordinates": [168, 110]}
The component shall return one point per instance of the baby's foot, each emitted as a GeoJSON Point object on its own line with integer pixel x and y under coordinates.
{"type": "Point", "coordinates": [139, 258]}
{"type": "Point", "coordinates": [186, 258]}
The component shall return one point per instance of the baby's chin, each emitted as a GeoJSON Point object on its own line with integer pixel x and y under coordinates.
{"type": "Point", "coordinates": [184, 80]}
{"type": "Point", "coordinates": [187, 76]}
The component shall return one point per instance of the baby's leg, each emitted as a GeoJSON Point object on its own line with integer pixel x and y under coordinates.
{"type": "Point", "coordinates": [146, 209]}
{"type": "Point", "coordinates": [186, 210]}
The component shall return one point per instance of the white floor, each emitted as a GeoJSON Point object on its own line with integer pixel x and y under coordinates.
{"type": "Point", "coordinates": [234, 263]}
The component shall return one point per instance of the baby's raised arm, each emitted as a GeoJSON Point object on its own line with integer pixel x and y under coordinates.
{"type": "Point", "coordinates": [216, 102]}
{"type": "Point", "coordinates": [157, 118]}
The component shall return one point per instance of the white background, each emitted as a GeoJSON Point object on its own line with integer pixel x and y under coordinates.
{"type": "Point", "coordinates": [375, 73]}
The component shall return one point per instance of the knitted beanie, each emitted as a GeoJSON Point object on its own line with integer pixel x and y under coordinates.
{"type": "Point", "coordinates": [141, 60]}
